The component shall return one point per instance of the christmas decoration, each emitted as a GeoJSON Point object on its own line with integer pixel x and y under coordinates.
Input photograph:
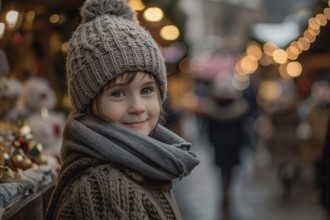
{"type": "Point", "coordinates": [18, 149]}
{"type": "Point", "coordinates": [47, 125]}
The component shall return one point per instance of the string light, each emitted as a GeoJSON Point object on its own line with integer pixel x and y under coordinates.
{"type": "Point", "coordinates": [136, 5]}
{"type": "Point", "coordinates": [270, 52]}
{"type": "Point", "coordinates": [153, 14]}
{"type": "Point", "coordinates": [2, 29]}
{"type": "Point", "coordinates": [170, 32]}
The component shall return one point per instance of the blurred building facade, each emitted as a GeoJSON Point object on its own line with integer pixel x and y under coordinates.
{"type": "Point", "coordinates": [226, 24]}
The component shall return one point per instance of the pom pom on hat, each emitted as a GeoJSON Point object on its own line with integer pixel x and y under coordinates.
{"type": "Point", "coordinates": [95, 8]}
{"type": "Point", "coordinates": [108, 43]}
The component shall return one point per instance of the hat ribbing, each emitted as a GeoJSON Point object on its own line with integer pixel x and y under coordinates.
{"type": "Point", "coordinates": [107, 43]}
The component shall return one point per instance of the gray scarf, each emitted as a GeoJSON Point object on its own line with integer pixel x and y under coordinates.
{"type": "Point", "coordinates": [163, 156]}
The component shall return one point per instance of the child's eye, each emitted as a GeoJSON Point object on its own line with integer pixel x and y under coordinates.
{"type": "Point", "coordinates": [147, 90]}
{"type": "Point", "coordinates": [117, 94]}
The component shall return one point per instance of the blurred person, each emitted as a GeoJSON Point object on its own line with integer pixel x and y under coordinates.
{"type": "Point", "coordinates": [284, 145]}
{"type": "Point", "coordinates": [281, 116]}
{"type": "Point", "coordinates": [225, 110]}
{"type": "Point", "coordinates": [325, 172]}
{"type": "Point", "coordinates": [314, 113]}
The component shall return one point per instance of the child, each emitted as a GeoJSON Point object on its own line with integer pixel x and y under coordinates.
{"type": "Point", "coordinates": [119, 162]}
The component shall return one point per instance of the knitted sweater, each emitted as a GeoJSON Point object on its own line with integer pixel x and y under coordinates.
{"type": "Point", "coordinates": [89, 189]}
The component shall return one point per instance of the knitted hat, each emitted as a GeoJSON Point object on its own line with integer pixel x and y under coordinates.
{"type": "Point", "coordinates": [107, 43]}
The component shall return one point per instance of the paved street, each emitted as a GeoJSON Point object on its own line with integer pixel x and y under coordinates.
{"type": "Point", "coordinates": [256, 192]}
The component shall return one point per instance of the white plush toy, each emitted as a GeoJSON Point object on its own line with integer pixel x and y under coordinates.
{"type": "Point", "coordinates": [48, 131]}
{"type": "Point", "coordinates": [37, 94]}
{"type": "Point", "coordinates": [38, 101]}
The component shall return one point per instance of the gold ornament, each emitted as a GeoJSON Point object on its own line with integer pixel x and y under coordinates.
{"type": "Point", "coordinates": [34, 166]}
{"type": "Point", "coordinates": [27, 162]}
{"type": "Point", "coordinates": [18, 160]}
{"type": "Point", "coordinates": [8, 176]}
{"type": "Point", "coordinates": [18, 149]}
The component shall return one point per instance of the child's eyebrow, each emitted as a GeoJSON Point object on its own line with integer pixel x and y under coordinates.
{"type": "Point", "coordinates": [122, 84]}
{"type": "Point", "coordinates": [150, 82]}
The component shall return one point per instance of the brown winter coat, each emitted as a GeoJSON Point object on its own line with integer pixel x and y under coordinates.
{"type": "Point", "coordinates": [88, 189]}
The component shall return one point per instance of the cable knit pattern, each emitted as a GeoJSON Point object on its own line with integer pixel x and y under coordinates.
{"type": "Point", "coordinates": [88, 189]}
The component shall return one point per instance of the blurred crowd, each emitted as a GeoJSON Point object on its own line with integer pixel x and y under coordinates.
{"type": "Point", "coordinates": [289, 128]}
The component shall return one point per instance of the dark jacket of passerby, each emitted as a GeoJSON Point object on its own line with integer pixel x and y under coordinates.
{"type": "Point", "coordinates": [225, 129]}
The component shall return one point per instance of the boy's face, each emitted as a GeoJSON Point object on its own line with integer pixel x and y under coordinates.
{"type": "Point", "coordinates": [134, 105]}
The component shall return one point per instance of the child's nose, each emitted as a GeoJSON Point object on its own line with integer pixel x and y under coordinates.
{"type": "Point", "coordinates": [136, 106]}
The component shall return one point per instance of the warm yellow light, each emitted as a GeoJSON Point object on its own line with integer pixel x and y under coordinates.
{"type": "Point", "coordinates": [326, 12]}
{"type": "Point", "coordinates": [269, 48]}
{"type": "Point", "coordinates": [253, 49]}
{"type": "Point", "coordinates": [309, 36]}
{"type": "Point", "coordinates": [65, 47]}
{"type": "Point", "coordinates": [314, 32]}
{"type": "Point", "coordinates": [294, 69]}
{"type": "Point", "coordinates": [296, 45]}
{"type": "Point", "coordinates": [321, 19]}
{"type": "Point", "coordinates": [2, 29]}
{"type": "Point", "coordinates": [303, 44]}
{"type": "Point", "coordinates": [292, 52]}
{"type": "Point", "coordinates": [169, 32]}
{"type": "Point", "coordinates": [280, 56]}
{"type": "Point", "coordinates": [282, 69]}
{"type": "Point", "coordinates": [313, 24]}
{"type": "Point", "coordinates": [248, 64]}
{"type": "Point", "coordinates": [238, 68]}
{"type": "Point", "coordinates": [137, 5]}
{"type": "Point", "coordinates": [153, 14]}
{"type": "Point", "coordinates": [55, 18]}
{"type": "Point", "coordinates": [11, 18]}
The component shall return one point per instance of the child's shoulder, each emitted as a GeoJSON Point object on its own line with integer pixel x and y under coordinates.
{"type": "Point", "coordinates": [84, 172]}
{"type": "Point", "coordinates": [111, 172]}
